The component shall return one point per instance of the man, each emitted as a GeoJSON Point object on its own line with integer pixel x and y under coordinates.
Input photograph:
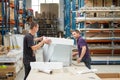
{"type": "Point", "coordinates": [29, 47]}
{"type": "Point", "coordinates": [83, 51]}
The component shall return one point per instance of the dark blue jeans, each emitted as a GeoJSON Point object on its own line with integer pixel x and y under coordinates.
{"type": "Point", "coordinates": [87, 62]}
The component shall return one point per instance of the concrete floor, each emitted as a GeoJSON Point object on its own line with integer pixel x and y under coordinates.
{"type": "Point", "coordinates": [20, 75]}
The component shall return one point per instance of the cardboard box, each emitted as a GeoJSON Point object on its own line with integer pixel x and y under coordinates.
{"type": "Point", "coordinates": [107, 3]}
{"type": "Point", "coordinates": [7, 72]}
{"type": "Point", "coordinates": [12, 1]}
{"type": "Point", "coordinates": [89, 3]}
{"type": "Point", "coordinates": [109, 75]}
{"type": "Point", "coordinates": [97, 3]}
{"type": "Point", "coordinates": [110, 78]}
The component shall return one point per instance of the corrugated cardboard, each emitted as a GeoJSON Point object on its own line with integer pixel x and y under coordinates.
{"type": "Point", "coordinates": [109, 75]}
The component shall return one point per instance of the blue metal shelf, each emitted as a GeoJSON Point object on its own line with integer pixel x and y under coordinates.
{"type": "Point", "coordinates": [24, 11]}
{"type": "Point", "coordinates": [70, 24]}
{"type": "Point", "coordinates": [81, 4]}
{"type": "Point", "coordinates": [67, 9]}
{"type": "Point", "coordinates": [16, 15]}
{"type": "Point", "coordinates": [73, 14]}
{"type": "Point", "coordinates": [6, 23]}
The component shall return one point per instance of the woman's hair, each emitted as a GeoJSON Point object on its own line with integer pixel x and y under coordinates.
{"type": "Point", "coordinates": [33, 24]}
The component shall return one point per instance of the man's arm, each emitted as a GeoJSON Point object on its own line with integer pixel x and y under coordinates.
{"type": "Point", "coordinates": [74, 53]}
{"type": "Point", "coordinates": [82, 54]}
{"type": "Point", "coordinates": [40, 44]}
{"type": "Point", "coordinates": [37, 46]}
{"type": "Point", "coordinates": [38, 39]}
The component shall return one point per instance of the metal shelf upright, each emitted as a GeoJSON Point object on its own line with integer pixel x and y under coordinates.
{"type": "Point", "coordinates": [81, 4]}
{"type": "Point", "coordinates": [16, 15]}
{"type": "Point", "coordinates": [24, 11]}
{"type": "Point", "coordinates": [73, 8]}
{"type": "Point", "coordinates": [5, 17]}
{"type": "Point", "coordinates": [69, 16]}
{"type": "Point", "coordinates": [67, 8]}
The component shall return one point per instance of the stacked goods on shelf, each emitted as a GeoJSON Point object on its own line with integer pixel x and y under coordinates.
{"type": "Point", "coordinates": [96, 3]}
{"type": "Point", "coordinates": [12, 58]}
{"type": "Point", "coordinates": [3, 50]}
{"type": "Point", "coordinates": [89, 3]}
{"type": "Point", "coordinates": [107, 3]}
{"type": "Point", "coordinates": [20, 4]}
{"type": "Point", "coordinates": [48, 20]}
{"type": "Point", "coordinates": [11, 1]}
{"type": "Point", "coordinates": [49, 9]}
{"type": "Point", "coordinates": [13, 41]}
{"type": "Point", "coordinates": [11, 14]}
{"type": "Point", "coordinates": [10, 64]}
{"type": "Point", "coordinates": [101, 29]}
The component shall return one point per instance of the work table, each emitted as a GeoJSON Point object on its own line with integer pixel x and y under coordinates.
{"type": "Point", "coordinates": [66, 73]}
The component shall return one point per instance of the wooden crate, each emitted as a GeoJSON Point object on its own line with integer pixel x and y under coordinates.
{"type": "Point", "coordinates": [7, 73]}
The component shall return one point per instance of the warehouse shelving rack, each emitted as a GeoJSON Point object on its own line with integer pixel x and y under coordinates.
{"type": "Point", "coordinates": [67, 23]}
{"type": "Point", "coordinates": [5, 20]}
{"type": "Point", "coordinates": [48, 27]}
{"type": "Point", "coordinates": [112, 39]}
{"type": "Point", "coordinates": [69, 15]}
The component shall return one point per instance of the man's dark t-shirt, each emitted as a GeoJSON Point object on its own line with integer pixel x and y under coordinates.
{"type": "Point", "coordinates": [28, 53]}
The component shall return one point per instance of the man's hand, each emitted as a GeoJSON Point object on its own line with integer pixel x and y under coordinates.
{"type": "Point", "coordinates": [41, 38]}
{"type": "Point", "coordinates": [38, 39]}
{"type": "Point", "coordinates": [78, 60]}
{"type": "Point", "coordinates": [47, 41]}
